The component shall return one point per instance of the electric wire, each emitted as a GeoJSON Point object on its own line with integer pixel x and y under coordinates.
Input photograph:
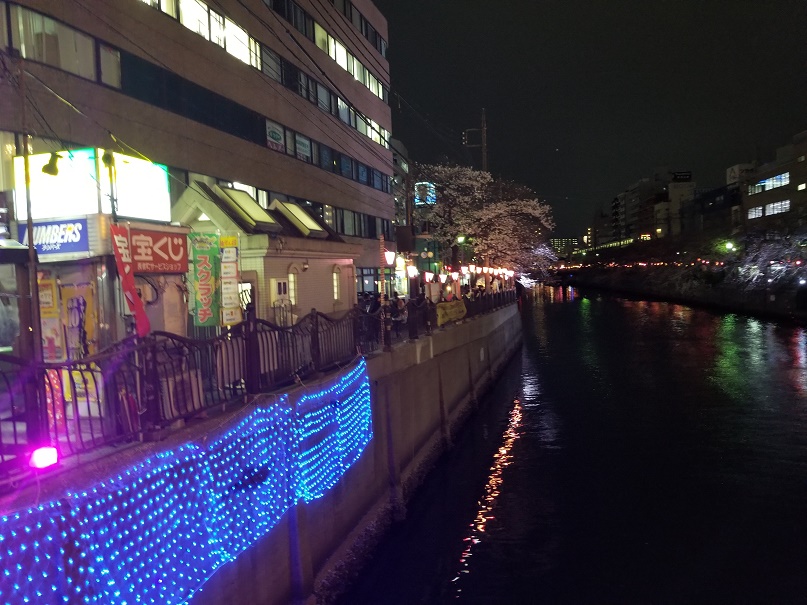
{"type": "Point", "coordinates": [356, 34]}
{"type": "Point", "coordinates": [121, 143]}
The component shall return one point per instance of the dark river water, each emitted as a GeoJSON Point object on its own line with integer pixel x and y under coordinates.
{"type": "Point", "coordinates": [635, 452]}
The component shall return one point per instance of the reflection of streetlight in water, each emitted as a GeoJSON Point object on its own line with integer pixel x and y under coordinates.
{"type": "Point", "coordinates": [501, 459]}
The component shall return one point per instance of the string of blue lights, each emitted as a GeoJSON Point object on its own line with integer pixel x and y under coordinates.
{"type": "Point", "coordinates": [157, 531]}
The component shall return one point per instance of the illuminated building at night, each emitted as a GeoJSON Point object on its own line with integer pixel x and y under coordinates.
{"type": "Point", "coordinates": [263, 122]}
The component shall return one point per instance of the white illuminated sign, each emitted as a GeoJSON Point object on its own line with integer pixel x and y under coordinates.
{"type": "Point", "coordinates": [73, 191]}
{"type": "Point", "coordinates": [82, 185]}
{"type": "Point", "coordinates": [141, 188]}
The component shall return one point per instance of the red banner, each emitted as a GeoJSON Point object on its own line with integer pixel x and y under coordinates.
{"type": "Point", "coordinates": [158, 252]}
{"type": "Point", "coordinates": [123, 258]}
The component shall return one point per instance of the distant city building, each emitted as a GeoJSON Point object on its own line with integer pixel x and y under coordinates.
{"type": "Point", "coordinates": [774, 195]}
{"type": "Point", "coordinates": [564, 246]}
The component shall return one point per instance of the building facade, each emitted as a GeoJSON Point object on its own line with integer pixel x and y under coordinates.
{"type": "Point", "coordinates": [266, 121]}
{"type": "Point", "coordinates": [774, 196]}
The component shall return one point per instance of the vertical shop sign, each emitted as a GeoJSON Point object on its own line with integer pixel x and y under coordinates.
{"type": "Point", "coordinates": [230, 299]}
{"type": "Point", "coordinates": [123, 259]}
{"type": "Point", "coordinates": [205, 278]}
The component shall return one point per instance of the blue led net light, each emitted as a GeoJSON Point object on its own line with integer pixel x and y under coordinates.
{"type": "Point", "coordinates": [160, 529]}
{"type": "Point", "coordinates": [333, 427]}
{"type": "Point", "coordinates": [251, 478]}
{"type": "Point", "coordinates": [145, 531]}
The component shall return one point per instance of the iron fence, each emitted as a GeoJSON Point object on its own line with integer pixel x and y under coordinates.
{"type": "Point", "coordinates": [143, 385]}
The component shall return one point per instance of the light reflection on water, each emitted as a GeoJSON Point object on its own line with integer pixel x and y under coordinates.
{"type": "Point", "coordinates": [487, 504]}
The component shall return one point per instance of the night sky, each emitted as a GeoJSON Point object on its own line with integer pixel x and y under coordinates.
{"type": "Point", "coordinates": [585, 98]}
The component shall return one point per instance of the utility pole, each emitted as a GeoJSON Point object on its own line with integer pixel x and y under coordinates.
{"type": "Point", "coordinates": [30, 335]}
{"type": "Point", "coordinates": [484, 144]}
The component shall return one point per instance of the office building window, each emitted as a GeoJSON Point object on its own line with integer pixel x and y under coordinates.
{"type": "Point", "coordinates": [271, 64]}
{"type": "Point", "coordinates": [780, 180]}
{"type": "Point", "coordinates": [303, 148]}
{"type": "Point", "coordinates": [755, 212]}
{"type": "Point", "coordinates": [40, 38]}
{"type": "Point", "coordinates": [777, 207]}
{"type": "Point", "coordinates": [3, 26]}
{"type": "Point", "coordinates": [110, 65]}
{"type": "Point", "coordinates": [193, 14]}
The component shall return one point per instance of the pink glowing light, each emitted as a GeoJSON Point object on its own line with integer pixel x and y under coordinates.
{"type": "Point", "coordinates": [44, 457]}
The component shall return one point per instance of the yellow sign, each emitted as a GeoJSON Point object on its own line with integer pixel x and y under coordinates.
{"type": "Point", "coordinates": [450, 311]}
{"type": "Point", "coordinates": [48, 298]}
{"type": "Point", "coordinates": [228, 241]}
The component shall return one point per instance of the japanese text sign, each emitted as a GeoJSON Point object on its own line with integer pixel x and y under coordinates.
{"type": "Point", "coordinates": [158, 252]}
{"type": "Point", "coordinates": [205, 278]}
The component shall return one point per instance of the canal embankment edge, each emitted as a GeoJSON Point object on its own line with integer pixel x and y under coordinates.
{"type": "Point", "coordinates": [422, 393]}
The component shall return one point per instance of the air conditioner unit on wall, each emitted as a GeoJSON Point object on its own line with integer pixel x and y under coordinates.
{"type": "Point", "coordinates": [181, 394]}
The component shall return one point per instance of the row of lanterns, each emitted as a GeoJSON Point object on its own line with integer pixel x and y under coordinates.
{"type": "Point", "coordinates": [412, 270]}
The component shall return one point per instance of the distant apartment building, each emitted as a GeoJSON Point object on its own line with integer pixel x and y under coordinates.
{"type": "Point", "coordinates": [774, 195]}
{"type": "Point", "coordinates": [564, 246]}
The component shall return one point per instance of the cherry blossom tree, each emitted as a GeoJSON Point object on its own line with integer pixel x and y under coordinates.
{"type": "Point", "coordinates": [458, 190]}
{"type": "Point", "coordinates": [504, 223]}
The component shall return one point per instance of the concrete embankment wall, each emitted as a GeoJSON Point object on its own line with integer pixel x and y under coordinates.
{"type": "Point", "coordinates": [421, 392]}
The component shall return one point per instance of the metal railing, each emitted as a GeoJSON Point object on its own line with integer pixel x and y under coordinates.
{"type": "Point", "coordinates": [143, 385]}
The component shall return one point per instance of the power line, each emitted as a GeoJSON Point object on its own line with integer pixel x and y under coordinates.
{"type": "Point", "coordinates": [119, 142]}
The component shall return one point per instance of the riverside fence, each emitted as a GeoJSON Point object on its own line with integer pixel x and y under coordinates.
{"type": "Point", "coordinates": [141, 386]}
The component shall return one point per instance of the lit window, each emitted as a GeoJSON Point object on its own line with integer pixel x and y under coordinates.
{"type": "Point", "coordinates": [777, 207]}
{"type": "Point", "coordinates": [293, 287]}
{"type": "Point", "coordinates": [802, 186]}
{"type": "Point", "coordinates": [780, 180]}
{"type": "Point", "coordinates": [337, 51]}
{"type": "Point", "coordinates": [217, 29]}
{"type": "Point", "coordinates": [320, 37]}
{"type": "Point", "coordinates": [328, 216]}
{"type": "Point", "coordinates": [238, 42]}
{"type": "Point", "coordinates": [193, 15]}
{"type": "Point", "coordinates": [254, 53]}
{"type": "Point", "coordinates": [336, 284]}
{"type": "Point", "coordinates": [166, 6]}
